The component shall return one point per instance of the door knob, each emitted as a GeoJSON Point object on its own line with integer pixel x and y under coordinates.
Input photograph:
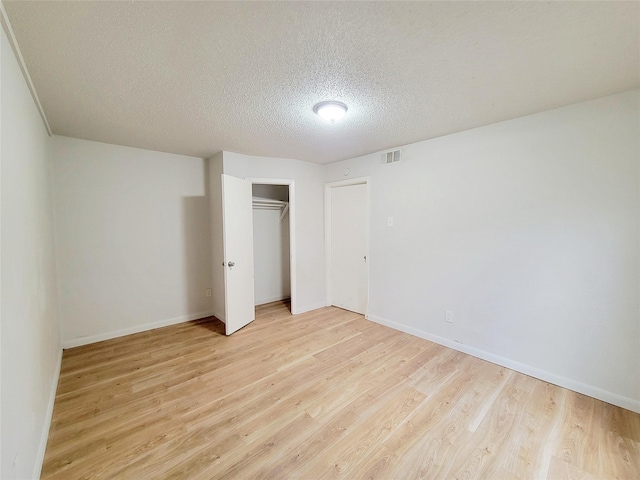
{"type": "Point", "coordinates": [231, 264]}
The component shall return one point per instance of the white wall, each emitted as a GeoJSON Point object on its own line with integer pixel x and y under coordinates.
{"type": "Point", "coordinates": [272, 192]}
{"type": "Point", "coordinates": [217, 240]}
{"type": "Point", "coordinates": [133, 240]}
{"type": "Point", "coordinates": [528, 230]}
{"type": "Point", "coordinates": [309, 223]}
{"type": "Point", "coordinates": [270, 256]}
{"type": "Point", "coordinates": [30, 344]}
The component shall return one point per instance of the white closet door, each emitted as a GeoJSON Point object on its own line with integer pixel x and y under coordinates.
{"type": "Point", "coordinates": [237, 226]}
{"type": "Point", "coordinates": [349, 247]}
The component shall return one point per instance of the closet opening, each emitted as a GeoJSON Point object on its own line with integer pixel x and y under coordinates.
{"type": "Point", "coordinates": [273, 241]}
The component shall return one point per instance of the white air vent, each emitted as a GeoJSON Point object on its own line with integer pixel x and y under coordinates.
{"type": "Point", "coordinates": [392, 156]}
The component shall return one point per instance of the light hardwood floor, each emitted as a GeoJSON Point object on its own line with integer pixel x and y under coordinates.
{"type": "Point", "coordinates": [326, 394]}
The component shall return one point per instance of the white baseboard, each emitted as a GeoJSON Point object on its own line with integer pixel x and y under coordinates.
{"type": "Point", "coordinates": [590, 390]}
{"type": "Point", "coordinates": [76, 342]}
{"type": "Point", "coordinates": [44, 436]}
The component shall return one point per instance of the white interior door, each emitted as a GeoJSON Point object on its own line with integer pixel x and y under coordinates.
{"type": "Point", "coordinates": [237, 227]}
{"type": "Point", "coordinates": [349, 285]}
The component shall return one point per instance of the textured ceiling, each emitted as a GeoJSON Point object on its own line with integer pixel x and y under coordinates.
{"type": "Point", "coordinates": [199, 77]}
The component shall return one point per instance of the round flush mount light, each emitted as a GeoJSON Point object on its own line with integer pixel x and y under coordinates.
{"type": "Point", "coordinates": [331, 111]}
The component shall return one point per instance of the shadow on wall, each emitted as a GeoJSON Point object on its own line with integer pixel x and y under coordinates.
{"type": "Point", "coordinates": [196, 252]}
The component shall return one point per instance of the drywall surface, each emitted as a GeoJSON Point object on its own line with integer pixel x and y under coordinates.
{"type": "Point", "coordinates": [528, 231]}
{"type": "Point", "coordinates": [309, 212]}
{"type": "Point", "coordinates": [270, 256]}
{"type": "Point", "coordinates": [31, 350]}
{"type": "Point", "coordinates": [132, 239]}
{"type": "Point", "coordinates": [273, 192]}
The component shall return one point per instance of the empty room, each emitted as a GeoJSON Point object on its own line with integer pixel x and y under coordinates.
{"type": "Point", "coordinates": [313, 240]}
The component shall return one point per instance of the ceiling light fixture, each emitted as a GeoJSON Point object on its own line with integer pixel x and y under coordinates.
{"type": "Point", "coordinates": [331, 111]}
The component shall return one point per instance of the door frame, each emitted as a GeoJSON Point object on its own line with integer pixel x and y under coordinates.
{"type": "Point", "coordinates": [292, 232]}
{"type": "Point", "coordinates": [327, 230]}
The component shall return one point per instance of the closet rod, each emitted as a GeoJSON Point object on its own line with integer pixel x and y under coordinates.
{"type": "Point", "coordinates": [267, 207]}
{"type": "Point", "coordinates": [269, 204]}
{"type": "Point", "coordinates": [267, 201]}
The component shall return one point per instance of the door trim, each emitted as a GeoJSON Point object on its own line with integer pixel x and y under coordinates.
{"type": "Point", "coordinates": [327, 230]}
{"type": "Point", "coordinates": [292, 232]}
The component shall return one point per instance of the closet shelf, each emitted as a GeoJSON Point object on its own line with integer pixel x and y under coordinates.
{"type": "Point", "coordinates": [270, 204]}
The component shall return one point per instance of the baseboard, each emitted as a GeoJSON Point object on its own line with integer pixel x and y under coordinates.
{"type": "Point", "coordinates": [591, 391]}
{"type": "Point", "coordinates": [44, 436]}
{"type": "Point", "coordinates": [79, 341]}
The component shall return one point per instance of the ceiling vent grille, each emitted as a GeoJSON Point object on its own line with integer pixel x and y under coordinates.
{"type": "Point", "coordinates": [390, 157]}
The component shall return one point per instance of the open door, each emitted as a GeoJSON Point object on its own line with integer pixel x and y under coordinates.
{"type": "Point", "coordinates": [237, 227]}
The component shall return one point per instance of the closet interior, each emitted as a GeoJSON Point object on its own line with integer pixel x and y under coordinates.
{"type": "Point", "coordinates": [271, 243]}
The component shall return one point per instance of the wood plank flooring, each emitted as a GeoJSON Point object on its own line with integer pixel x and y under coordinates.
{"type": "Point", "coordinates": [321, 395]}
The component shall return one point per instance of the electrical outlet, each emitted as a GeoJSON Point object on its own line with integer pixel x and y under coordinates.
{"type": "Point", "coordinates": [208, 292]}
{"type": "Point", "coordinates": [448, 316]}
